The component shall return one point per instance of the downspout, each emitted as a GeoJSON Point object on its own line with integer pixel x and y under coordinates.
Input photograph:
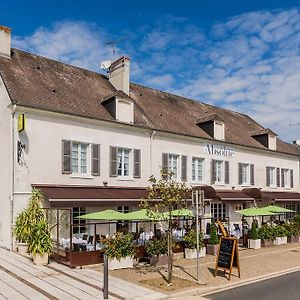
{"type": "Point", "coordinates": [12, 204]}
{"type": "Point", "coordinates": [151, 139]}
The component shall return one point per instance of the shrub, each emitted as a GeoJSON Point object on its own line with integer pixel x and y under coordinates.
{"type": "Point", "coordinates": [253, 231]}
{"type": "Point", "coordinates": [22, 227]}
{"type": "Point", "coordinates": [157, 246]}
{"type": "Point", "coordinates": [291, 229]}
{"type": "Point", "coordinates": [280, 231]}
{"type": "Point", "coordinates": [190, 240]}
{"type": "Point", "coordinates": [119, 246]}
{"type": "Point", "coordinates": [266, 232]}
{"type": "Point", "coordinates": [213, 239]}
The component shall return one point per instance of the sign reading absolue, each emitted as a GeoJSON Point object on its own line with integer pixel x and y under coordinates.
{"type": "Point", "coordinates": [227, 257]}
{"type": "Point", "coordinates": [219, 150]}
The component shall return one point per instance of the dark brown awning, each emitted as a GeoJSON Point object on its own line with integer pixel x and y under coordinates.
{"type": "Point", "coordinates": [231, 195]}
{"type": "Point", "coordinates": [209, 191]}
{"type": "Point", "coordinates": [72, 196]}
{"type": "Point", "coordinates": [281, 196]}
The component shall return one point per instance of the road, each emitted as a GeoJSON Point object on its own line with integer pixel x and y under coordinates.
{"type": "Point", "coordinates": [278, 288]}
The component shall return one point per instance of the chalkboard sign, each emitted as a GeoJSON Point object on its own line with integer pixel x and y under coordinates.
{"type": "Point", "coordinates": [227, 255]}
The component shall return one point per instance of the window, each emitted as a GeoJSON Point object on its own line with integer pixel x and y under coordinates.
{"type": "Point", "coordinates": [292, 206]}
{"type": "Point", "coordinates": [79, 224]}
{"type": "Point", "coordinates": [197, 169]}
{"type": "Point", "coordinates": [285, 178]}
{"type": "Point", "coordinates": [79, 158]}
{"type": "Point", "coordinates": [271, 176]}
{"type": "Point", "coordinates": [219, 131]}
{"type": "Point", "coordinates": [123, 161]}
{"type": "Point", "coordinates": [173, 161]}
{"type": "Point", "coordinates": [218, 210]}
{"type": "Point", "coordinates": [246, 174]}
{"type": "Point", "coordinates": [123, 226]}
{"type": "Point", "coordinates": [219, 171]}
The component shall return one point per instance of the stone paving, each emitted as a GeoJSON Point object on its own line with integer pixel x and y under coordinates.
{"type": "Point", "coordinates": [21, 279]}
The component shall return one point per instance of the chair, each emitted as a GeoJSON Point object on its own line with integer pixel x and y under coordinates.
{"type": "Point", "coordinates": [97, 238]}
{"type": "Point", "coordinates": [85, 237]}
{"type": "Point", "coordinates": [82, 247]}
{"type": "Point", "coordinates": [76, 247]}
{"type": "Point", "coordinates": [90, 239]}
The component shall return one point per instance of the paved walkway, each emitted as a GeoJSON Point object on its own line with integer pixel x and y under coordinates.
{"type": "Point", "coordinates": [21, 279]}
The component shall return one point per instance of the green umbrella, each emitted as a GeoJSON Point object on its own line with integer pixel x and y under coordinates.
{"type": "Point", "coordinates": [109, 214]}
{"type": "Point", "coordinates": [255, 211]}
{"type": "Point", "coordinates": [138, 215]}
{"type": "Point", "coordinates": [184, 212]}
{"type": "Point", "coordinates": [278, 209]}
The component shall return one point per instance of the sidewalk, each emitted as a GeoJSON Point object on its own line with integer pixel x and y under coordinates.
{"type": "Point", "coordinates": [255, 265]}
{"type": "Point", "coordinates": [21, 279]}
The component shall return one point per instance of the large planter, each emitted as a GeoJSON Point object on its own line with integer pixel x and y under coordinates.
{"type": "Point", "coordinates": [41, 259]}
{"type": "Point", "coordinates": [23, 248]}
{"type": "Point", "coordinates": [192, 253]}
{"type": "Point", "coordinates": [254, 244]}
{"type": "Point", "coordinates": [267, 243]}
{"type": "Point", "coordinates": [123, 263]}
{"type": "Point", "coordinates": [280, 240]}
{"type": "Point", "coordinates": [212, 249]}
{"type": "Point", "coordinates": [159, 260]}
{"type": "Point", "coordinates": [293, 239]}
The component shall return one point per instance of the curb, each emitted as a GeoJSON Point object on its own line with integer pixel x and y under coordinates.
{"type": "Point", "coordinates": [213, 290]}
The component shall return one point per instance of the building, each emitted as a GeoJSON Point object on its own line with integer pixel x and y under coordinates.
{"type": "Point", "coordinates": [90, 142]}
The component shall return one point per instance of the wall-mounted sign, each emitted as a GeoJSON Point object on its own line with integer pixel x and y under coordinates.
{"type": "Point", "coordinates": [21, 122]}
{"type": "Point", "coordinates": [220, 150]}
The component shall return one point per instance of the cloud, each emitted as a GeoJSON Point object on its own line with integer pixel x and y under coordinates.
{"type": "Point", "coordinates": [248, 63]}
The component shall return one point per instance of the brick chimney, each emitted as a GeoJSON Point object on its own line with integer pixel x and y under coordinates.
{"type": "Point", "coordinates": [119, 74]}
{"type": "Point", "coordinates": [5, 41]}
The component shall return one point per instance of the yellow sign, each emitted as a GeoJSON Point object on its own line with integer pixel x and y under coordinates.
{"type": "Point", "coordinates": [21, 122]}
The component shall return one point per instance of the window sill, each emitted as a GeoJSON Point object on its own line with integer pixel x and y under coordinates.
{"type": "Point", "coordinates": [245, 185]}
{"type": "Point", "coordinates": [197, 182]}
{"type": "Point", "coordinates": [220, 183]}
{"type": "Point", "coordinates": [81, 176]}
{"type": "Point", "coordinates": [125, 179]}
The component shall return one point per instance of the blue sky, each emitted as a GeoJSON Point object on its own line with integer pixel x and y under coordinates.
{"type": "Point", "coordinates": [242, 55]}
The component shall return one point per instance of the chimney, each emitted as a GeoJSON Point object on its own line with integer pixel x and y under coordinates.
{"type": "Point", "coordinates": [5, 40]}
{"type": "Point", "coordinates": [119, 74]}
{"type": "Point", "coordinates": [296, 142]}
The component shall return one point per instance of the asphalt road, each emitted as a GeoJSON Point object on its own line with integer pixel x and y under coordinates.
{"type": "Point", "coordinates": [286, 287]}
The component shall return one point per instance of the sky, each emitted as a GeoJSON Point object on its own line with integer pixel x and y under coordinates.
{"type": "Point", "coordinates": [238, 54]}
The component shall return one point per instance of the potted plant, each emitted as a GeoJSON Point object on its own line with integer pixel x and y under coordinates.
{"type": "Point", "coordinates": [213, 244]}
{"type": "Point", "coordinates": [292, 233]}
{"type": "Point", "coordinates": [254, 242]}
{"type": "Point", "coordinates": [267, 235]}
{"type": "Point", "coordinates": [190, 245]}
{"type": "Point", "coordinates": [157, 250]}
{"type": "Point", "coordinates": [22, 232]}
{"type": "Point", "coordinates": [40, 244]}
{"type": "Point", "coordinates": [281, 235]}
{"type": "Point", "coordinates": [120, 251]}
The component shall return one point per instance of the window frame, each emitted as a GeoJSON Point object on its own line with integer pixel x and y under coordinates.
{"type": "Point", "coordinates": [274, 183]}
{"type": "Point", "coordinates": [195, 169]}
{"type": "Point", "coordinates": [81, 228]}
{"type": "Point", "coordinates": [286, 178]}
{"type": "Point", "coordinates": [171, 157]}
{"type": "Point", "coordinates": [247, 182]}
{"type": "Point", "coordinates": [219, 208]}
{"type": "Point", "coordinates": [222, 172]}
{"type": "Point", "coordinates": [130, 164]}
{"type": "Point", "coordinates": [79, 159]}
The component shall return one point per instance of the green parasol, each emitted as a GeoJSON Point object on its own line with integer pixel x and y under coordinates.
{"type": "Point", "coordinates": [255, 211]}
{"type": "Point", "coordinates": [278, 209]}
{"type": "Point", "coordinates": [109, 214]}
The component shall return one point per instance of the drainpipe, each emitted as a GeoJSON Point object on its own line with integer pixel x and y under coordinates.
{"type": "Point", "coordinates": [151, 139]}
{"type": "Point", "coordinates": [12, 175]}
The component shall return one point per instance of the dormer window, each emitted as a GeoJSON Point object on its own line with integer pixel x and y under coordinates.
{"type": "Point", "coordinates": [212, 125]}
{"type": "Point", "coordinates": [120, 106]}
{"type": "Point", "coordinates": [266, 137]}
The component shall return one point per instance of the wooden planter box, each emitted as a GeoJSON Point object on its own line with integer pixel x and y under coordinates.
{"type": "Point", "coordinates": [212, 249]}
{"type": "Point", "coordinates": [192, 253]}
{"type": "Point", "coordinates": [159, 260]}
{"type": "Point", "coordinates": [123, 263]}
{"type": "Point", "coordinates": [280, 240]}
{"type": "Point", "coordinates": [267, 243]}
{"type": "Point", "coordinates": [293, 239]}
{"type": "Point", "coordinates": [254, 244]}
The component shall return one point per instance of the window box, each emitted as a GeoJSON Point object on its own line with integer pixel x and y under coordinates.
{"type": "Point", "coordinates": [192, 253]}
{"type": "Point", "coordinates": [254, 244]}
{"type": "Point", "coordinates": [280, 240]}
{"type": "Point", "coordinates": [123, 263]}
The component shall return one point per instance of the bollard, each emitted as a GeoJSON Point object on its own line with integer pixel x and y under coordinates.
{"type": "Point", "coordinates": [105, 277]}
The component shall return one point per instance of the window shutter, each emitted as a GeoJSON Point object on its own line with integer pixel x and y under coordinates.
{"type": "Point", "coordinates": [213, 171]}
{"type": "Point", "coordinates": [95, 159]}
{"type": "Point", "coordinates": [66, 157]}
{"type": "Point", "coordinates": [137, 163]}
{"type": "Point", "coordinates": [113, 161]}
{"type": "Point", "coordinates": [183, 168]}
{"type": "Point", "coordinates": [226, 172]}
{"type": "Point", "coordinates": [292, 178]}
{"type": "Point", "coordinates": [164, 163]}
{"type": "Point", "coordinates": [278, 177]}
{"type": "Point", "coordinates": [267, 176]}
{"type": "Point", "coordinates": [282, 178]}
{"type": "Point", "coordinates": [252, 174]}
{"type": "Point", "coordinates": [240, 174]}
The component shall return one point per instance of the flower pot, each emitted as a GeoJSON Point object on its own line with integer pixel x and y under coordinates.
{"type": "Point", "coordinates": [254, 244]}
{"type": "Point", "coordinates": [23, 248]}
{"type": "Point", "coordinates": [212, 249]}
{"type": "Point", "coordinates": [293, 239]}
{"type": "Point", "coordinates": [159, 260]}
{"type": "Point", "coordinates": [267, 243]}
{"type": "Point", "coordinates": [41, 259]}
{"type": "Point", "coordinates": [123, 263]}
{"type": "Point", "coordinates": [192, 253]}
{"type": "Point", "coordinates": [280, 240]}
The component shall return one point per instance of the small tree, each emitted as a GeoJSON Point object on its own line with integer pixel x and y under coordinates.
{"type": "Point", "coordinates": [165, 195]}
{"type": "Point", "coordinates": [213, 239]}
{"type": "Point", "coordinates": [253, 231]}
